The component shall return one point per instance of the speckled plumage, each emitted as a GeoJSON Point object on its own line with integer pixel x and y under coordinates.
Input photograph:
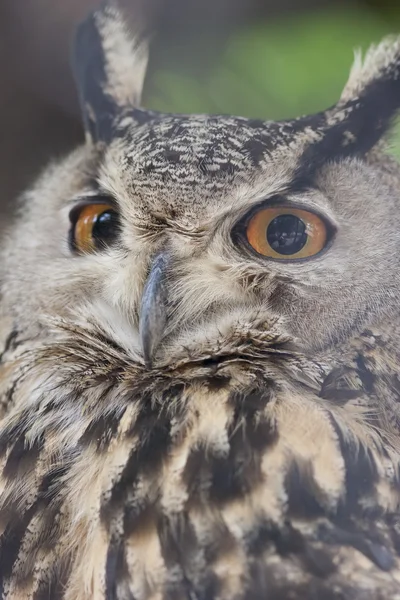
{"type": "Point", "coordinates": [257, 457]}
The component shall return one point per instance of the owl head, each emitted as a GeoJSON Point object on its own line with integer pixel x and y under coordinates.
{"type": "Point", "coordinates": [173, 233]}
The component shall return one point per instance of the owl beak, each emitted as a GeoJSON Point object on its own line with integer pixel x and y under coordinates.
{"type": "Point", "coordinates": [153, 314]}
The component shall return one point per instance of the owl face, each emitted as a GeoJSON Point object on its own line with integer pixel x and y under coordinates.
{"type": "Point", "coordinates": [174, 237]}
{"type": "Point", "coordinates": [172, 233]}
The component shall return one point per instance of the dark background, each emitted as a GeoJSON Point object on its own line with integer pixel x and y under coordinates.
{"type": "Point", "coordinates": [265, 58]}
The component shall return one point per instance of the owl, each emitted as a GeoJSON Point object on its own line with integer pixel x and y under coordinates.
{"type": "Point", "coordinates": [200, 348]}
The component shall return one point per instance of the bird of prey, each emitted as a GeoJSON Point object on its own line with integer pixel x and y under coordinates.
{"type": "Point", "coordinates": [200, 348]}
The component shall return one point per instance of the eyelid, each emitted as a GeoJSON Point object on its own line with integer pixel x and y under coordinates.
{"type": "Point", "coordinates": [83, 201]}
{"type": "Point", "coordinates": [282, 202]}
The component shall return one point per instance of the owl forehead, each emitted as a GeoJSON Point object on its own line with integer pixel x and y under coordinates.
{"type": "Point", "coordinates": [205, 144]}
{"type": "Point", "coordinates": [180, 159]}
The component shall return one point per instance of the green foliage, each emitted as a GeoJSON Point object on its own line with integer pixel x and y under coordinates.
{"type": "Point", "coordinates": [291, 66]}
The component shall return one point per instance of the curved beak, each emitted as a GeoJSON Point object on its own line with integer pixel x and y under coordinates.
{"type": "Point", "coordinates": [153, 312]}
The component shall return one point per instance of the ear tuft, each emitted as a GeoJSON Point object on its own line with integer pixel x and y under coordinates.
{"type": "Point", "coordinates": [110, 65]}
{"type": "Point", "coordinates": [370, 101]}
{"type": "Point", "coordinates": [381, 63]}
{"type": "Point", "coordinates": [126, 55]}
{"type": "Point", "coordinates": [365, 113]}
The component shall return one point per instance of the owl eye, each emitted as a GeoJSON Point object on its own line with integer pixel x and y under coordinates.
{"type": "Point", "coordinates": [286, 233]}
{"type": "Point", "coordinates": [95, 226]}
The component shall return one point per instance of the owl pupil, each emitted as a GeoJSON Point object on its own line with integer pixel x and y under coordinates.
{"type": "Point", "coordinates": [286, 234]}
{"type": "Point", "coordinates": [105, 229]}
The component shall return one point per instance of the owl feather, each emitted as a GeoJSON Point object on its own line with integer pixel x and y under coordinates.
{"type": "Point", "coordinates": [185, 413]}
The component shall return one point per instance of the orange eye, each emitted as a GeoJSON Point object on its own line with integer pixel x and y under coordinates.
{"type": "Point", "coordinates": [95, 227]}
{"type": "Point", "coordinates": [286, 233]}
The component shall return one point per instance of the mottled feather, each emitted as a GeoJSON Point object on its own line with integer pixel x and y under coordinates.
{"type": "Point", "coordinates": [256, 453]}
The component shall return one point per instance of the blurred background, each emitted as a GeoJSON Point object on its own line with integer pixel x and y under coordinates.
{"type": "Point", "coordinates": [262, 58]}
